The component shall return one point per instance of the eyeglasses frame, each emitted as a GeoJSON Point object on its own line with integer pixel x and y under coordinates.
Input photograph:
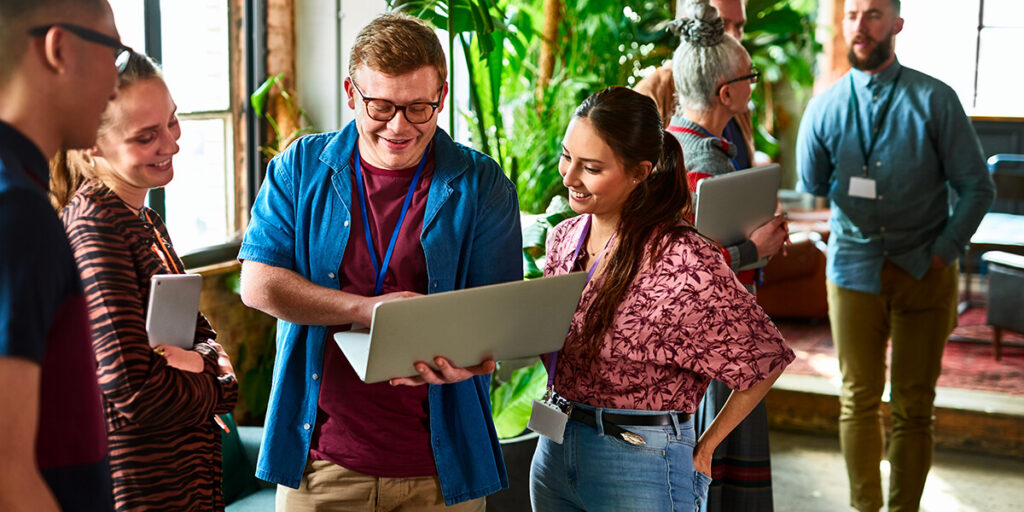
{"type": "Point", "coordinates": [86, 34]}
{"type": "Point", "coordinates": [366, 104]}
{"type": "Point", "coordinates": [754, 77]}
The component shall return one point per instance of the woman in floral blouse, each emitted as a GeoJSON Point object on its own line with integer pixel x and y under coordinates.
{"type": "Point", "coordinates": [661, 316]}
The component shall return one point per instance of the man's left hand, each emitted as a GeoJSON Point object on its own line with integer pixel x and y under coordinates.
{"type": "Point", "coordinates": [448, 373]}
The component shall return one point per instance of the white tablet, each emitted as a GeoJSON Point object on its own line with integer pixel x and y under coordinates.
{"type": "Point", "coordinates": [173, 308]}
{"type": "Point", "coordinates": [501, 321]}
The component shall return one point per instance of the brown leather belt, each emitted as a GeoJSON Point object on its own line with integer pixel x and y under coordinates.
{"type": "Point", "coordinates": [612, 422]}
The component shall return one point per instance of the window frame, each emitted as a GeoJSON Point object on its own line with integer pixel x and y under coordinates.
{"type": "Point", "coordinates": [246, 41]}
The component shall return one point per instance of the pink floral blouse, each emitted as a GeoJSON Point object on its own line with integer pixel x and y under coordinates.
{"type": "Point", "coordinates": [683, 321]}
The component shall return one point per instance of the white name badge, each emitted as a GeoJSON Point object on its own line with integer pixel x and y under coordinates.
{"type": "Point", "coordinates": [862, 187]}
{"type": "Point", "coordinates": [548, 421]}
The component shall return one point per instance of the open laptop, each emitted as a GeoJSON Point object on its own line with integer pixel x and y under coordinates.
{"type": "Point", "coordinates": [729, 207]}
{"type": "Point", "coordinates": [501, 321]}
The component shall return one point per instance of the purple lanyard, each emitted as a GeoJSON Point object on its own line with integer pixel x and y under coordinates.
{"type": "Point", "coordinates": [553, 356]}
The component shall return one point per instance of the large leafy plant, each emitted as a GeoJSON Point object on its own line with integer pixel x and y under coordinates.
{"type": "Point", "coordinates": [518, 107]}
{"type": "Point", "coordinates": [287, 120]}
{"type": "Point", "coordinates": [780, 39]}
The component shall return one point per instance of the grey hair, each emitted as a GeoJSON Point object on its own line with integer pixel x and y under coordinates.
{"type": "Point", "coordinates": [706, 55]}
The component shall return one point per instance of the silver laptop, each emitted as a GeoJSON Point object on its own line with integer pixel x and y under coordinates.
{"type": "Point", "coordinates": [501, 321]}
{"type": "Point", "coordinates": [731, 206]}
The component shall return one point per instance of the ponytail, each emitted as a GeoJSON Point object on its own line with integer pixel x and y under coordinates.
{"type": "Point", "coordinates": [630, 124]}
{"type": "Point", "coordinates": [69, 169]}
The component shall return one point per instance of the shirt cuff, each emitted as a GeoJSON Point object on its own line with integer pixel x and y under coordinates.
{"type": "Point", "coordinates": [946, 249]}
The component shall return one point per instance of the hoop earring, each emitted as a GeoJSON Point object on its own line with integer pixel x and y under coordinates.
{"type": "Point", "coordinates": [89, 160]}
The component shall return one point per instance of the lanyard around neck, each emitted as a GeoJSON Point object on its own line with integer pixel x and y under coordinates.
{"type": "Point", "coordinates": [160, 247]}
{"type": "Point", "coordinates": [868, 147]}
{"type": "Point", "coordinates": [553, 356]}
{"type": "Point", "coordinates": [381, 269]}
{"type": "Point", "coordinates": [706, 134]}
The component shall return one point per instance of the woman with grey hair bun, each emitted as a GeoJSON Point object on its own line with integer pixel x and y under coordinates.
{"type": "Point", "coordinates": [713, 77]}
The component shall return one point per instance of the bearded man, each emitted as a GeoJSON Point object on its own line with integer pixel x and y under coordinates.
{"type": "Point", "coordinates": [886, 144]}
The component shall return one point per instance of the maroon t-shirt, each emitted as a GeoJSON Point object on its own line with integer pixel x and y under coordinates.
{"type": "Point", "coordinates": [377, 429]}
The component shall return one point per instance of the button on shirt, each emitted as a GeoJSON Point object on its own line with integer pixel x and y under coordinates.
{"type": "Point", "coordinates": [926, 147]}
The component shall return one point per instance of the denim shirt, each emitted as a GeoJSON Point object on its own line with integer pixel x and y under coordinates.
{"type": "Point", "coordinates": [932, 186]}
{"type": "Point", "coordinates": [471, 237]}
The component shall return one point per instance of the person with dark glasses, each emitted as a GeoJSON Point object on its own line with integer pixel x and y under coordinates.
{"type": "Point", "coordinates": [121, 52]}
{"type": "Point", "coordinates": [55, 82]}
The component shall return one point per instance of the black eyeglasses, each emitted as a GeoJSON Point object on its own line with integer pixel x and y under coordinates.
{"type": "Point", "coordinates": [754, 76]}
{"type": "Point", "coordinates": [385, 110]}
{"type": "Point", "coordinates": [121, 52]}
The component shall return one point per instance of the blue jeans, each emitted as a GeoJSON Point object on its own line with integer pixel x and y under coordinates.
{"type": "Point", "coordinates": [592, 471]}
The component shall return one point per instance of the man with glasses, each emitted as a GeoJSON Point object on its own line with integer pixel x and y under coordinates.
{"type": "Point", "coordinates": [899, 160]}
{"type": "Point", "coordinates": [387, 208]}
{"type": "Point", "coordinates": [57, 72]}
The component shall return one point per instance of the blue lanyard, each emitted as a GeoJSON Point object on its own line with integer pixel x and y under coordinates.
{"type": "Point", "coordinates": [380, 270]}
{"type": "Point", "coordinates": [866, 149]}
{"type": "Point", "coordinates": [553, 356]}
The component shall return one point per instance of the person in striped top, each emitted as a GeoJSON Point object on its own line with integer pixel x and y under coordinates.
{"type": "Point", "coordinates": [160, 402]}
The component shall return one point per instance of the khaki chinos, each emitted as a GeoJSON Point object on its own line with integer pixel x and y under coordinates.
{"type": "Point", "coordinates": [919, 315]}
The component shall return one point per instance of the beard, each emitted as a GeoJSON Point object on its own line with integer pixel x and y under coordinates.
{"type": "Point", "coordinates": [876, 58]}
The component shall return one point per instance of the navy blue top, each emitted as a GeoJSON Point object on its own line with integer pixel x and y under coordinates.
{"type": "Point", "coordinates": [932, 186]}
{"type": "Point", "coordinates": [43, 319]}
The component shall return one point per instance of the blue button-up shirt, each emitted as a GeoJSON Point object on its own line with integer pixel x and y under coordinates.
{"type": "Point", "coordinates": [931, 182]}
{"type": "Point", "coordinates": [471, 237]}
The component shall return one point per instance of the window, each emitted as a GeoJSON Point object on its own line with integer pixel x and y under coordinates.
{"type": "Point", "coordinates": [972, 45]}
{"type": "Point", "coordinates": [193, 42]}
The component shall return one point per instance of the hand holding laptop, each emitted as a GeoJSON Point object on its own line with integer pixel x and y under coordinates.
{"type": "Point", "coordinates": [364, 312]}
{"type": "Point", "coordinates": [448, 374]}
{"type": "Point", "coordinates": [770, 237]}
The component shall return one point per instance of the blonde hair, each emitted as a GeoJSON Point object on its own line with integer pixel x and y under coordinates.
{"type": "Point", "coordinates": [70, 168]}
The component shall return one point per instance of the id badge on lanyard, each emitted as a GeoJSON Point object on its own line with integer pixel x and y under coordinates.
{"type": "Point", "coordinates": [863, 186]}
{"type": "Point", "coordinates": [550, 414]}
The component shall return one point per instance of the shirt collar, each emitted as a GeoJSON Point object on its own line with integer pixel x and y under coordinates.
{"type": "Point", "coordinates": [862, 79]}
{"type": "Point", "coordinates": [26, 151]}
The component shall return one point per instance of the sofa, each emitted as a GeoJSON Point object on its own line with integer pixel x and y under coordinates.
{"type": "Point", "coordinates": [243, 492]}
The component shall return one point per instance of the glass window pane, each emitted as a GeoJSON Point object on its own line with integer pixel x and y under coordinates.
{"type": "Point", "coordinates": [198, 203]}
{"type": "Point", "coordinates": [1003, 13]}
{"type": "Point", "coordinates": [195, 53]}
{"type": "Point", "coordinates": [939, 38]}
{"type": "Point", "coordinates": [1000, 75]}
{"type": "Point", "coordinates": [130, 22]}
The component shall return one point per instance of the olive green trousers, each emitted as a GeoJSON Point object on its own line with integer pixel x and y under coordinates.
{"type": "Point", "coordinates": [918, 316]}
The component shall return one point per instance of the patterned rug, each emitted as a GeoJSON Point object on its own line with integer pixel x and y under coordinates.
{"type": "Point", "coordinates": [967, 362]}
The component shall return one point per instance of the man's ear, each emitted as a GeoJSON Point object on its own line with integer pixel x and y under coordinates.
{"type": "Point", "coordinates": [350, 93]}
{"type": "Point", "coordinates": [444, 94]}
{"type": "Point", "coordinates": [898, 27]}
{"type": "Point", "coordinates": [55, 50]}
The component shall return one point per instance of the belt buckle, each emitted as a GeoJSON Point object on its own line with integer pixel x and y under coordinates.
{"type": "Point", "coordinates": [633, 439]}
